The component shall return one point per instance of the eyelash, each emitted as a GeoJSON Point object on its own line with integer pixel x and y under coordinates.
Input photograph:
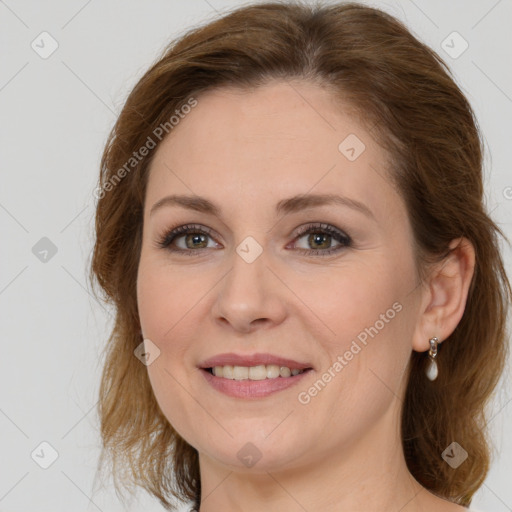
{"type": "Point", "coordinates": [344, 240]}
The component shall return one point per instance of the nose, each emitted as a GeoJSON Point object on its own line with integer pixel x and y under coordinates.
{"type": "Point", "coordinates": [250, 296]}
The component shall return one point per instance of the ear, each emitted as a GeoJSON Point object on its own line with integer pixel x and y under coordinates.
{"type": "Point", "coordinates": [445, 294]}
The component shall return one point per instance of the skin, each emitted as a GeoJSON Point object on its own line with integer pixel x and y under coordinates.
{"type": "Point", "coordinates": [246, 151]}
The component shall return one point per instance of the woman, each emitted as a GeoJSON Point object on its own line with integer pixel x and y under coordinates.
{"type": "Point", "coordinates": [311, 303]}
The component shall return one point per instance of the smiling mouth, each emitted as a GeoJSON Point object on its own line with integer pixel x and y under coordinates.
{"type": "Point", "coordinates": [255, 373]}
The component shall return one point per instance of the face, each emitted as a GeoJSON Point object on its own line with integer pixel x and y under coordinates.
{"type": "Point", "coordinates": [256, 268]}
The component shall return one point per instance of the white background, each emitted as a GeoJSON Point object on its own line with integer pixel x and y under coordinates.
{"type": "Point", "coordinates": [55, 117]}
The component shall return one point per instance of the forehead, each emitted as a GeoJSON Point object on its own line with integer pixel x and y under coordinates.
{"type": "Point", "coordinates": [280, 139]}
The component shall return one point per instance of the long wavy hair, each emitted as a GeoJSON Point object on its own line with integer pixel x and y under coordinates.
{"type": "Point", "coordinates": [406, 95]}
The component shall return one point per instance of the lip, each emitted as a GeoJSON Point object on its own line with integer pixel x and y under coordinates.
{"type": "Point", "coordinates": [252, 360]}
{"type": "Point", "coordinates": [251, 389]}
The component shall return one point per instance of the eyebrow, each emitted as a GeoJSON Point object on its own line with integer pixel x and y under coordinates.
{"type": "Point", "coordinates": [285, 206]}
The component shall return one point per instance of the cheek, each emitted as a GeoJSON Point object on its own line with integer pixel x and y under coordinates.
{"type": "Point", "coordinates": [164, 299]}
{"type": "Point", "coordinates": [166, 302]}
{"type": "Point", "coordinates": [370, 320]}
{"type": "Point", "coordinates": [164, 296]}
{"type": "Point", "coordinates": [347, 301]}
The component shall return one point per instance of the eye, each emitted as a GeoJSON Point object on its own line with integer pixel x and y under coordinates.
{"type": "Point", "coordinates": [186, 239]}
{"type": "Point", "coordinates": [191, 239]}
{"type": "Point", "coordinates": [321, 237]}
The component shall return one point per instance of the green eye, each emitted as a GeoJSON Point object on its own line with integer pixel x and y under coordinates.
{"type": "Point", "coordinates": [195, 237]}
{"type": "Point", "coordinates": [319, 239]}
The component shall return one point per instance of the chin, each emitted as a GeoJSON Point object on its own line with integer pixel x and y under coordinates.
{"type": "Point", "coordinates": [269, 445]}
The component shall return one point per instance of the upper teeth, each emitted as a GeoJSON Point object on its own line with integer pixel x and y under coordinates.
{"type": "Point", "coordinates": [260, 372]}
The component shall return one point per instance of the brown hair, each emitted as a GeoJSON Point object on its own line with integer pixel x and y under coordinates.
{"type": "Point", "coordinates": [406, 95]}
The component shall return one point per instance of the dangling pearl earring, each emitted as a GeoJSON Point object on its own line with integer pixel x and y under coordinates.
{"type": "Point", "coordinates": [432, 365]}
